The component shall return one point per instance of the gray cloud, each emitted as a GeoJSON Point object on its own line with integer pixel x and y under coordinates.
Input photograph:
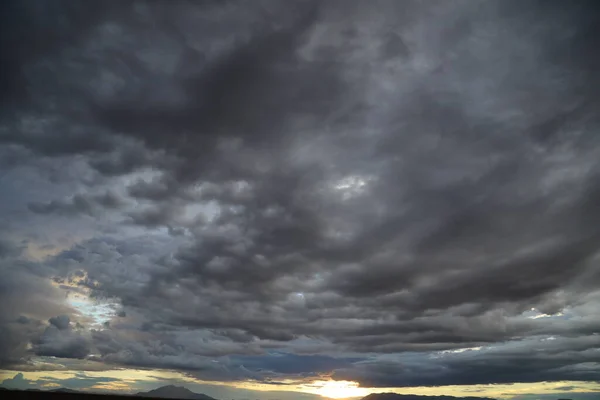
{"type": "Point", "coordinates": [61, 322]}
{"type": "Point", "coordinates": [26, 297]}
{"type": "Point", "coordinates": [532, 360]}
{"type": "Point", "coordinates": [80, 204]}
{"type": "Point", "coordinates": [60, 340]}
{"type": "Point", "coordinates": [337, 183]}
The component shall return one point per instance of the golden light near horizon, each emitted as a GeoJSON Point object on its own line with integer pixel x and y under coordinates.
{"type": "Point", "coordinates": [336, 389]}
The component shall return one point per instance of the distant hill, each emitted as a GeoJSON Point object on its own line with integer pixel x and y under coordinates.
{"type": "Point", "coordinates": [63, 390]}
{"type": "Point", "coordinates": [395, 396]}
{"type": "Point", "coordinates": [174, 392]}
{"type": "Point", "coordinates": [68, 394]}
{"type": "Point", "coordinates": [33, 394]}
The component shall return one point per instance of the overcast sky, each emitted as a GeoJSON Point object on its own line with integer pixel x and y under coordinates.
{"type": "Point", "coordinates": [256, 196]}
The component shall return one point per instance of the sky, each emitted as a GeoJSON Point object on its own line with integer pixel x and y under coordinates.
{"type": "Point", "coordinates": [295, 199]}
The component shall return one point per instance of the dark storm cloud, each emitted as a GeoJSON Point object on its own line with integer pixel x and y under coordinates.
{"type": "Point", "coordinates": [64, 347]}
{"type": "Point", "coordinates": [62, 322]}
{"type": "Point", "coordinates": [23, 319]}
{"type": "Point", "coordinates": [9, 249]}
{"type": "Point", "coordinates": [163, 353]}
{"type": "Point", "coordinates": [60, 340]}
{"type": "Point", "coordinates": [293, 364]}
{"type": "Point", "coordinates": [26, 296]}
{"type": "Point", "coordinates": [12, 346]}
{"type": "Point", "coordinates": [533, 360]}
{"type": "Point", "coordinates": [80, 204]}
{"type": "Point", "coordinates": [328, 178]}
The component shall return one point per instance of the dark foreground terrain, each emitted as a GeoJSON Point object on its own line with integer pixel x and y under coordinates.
{"type": "Point", "coordinates": [43, 395]}
{"type": "Point", "coordinates": [165, 392]}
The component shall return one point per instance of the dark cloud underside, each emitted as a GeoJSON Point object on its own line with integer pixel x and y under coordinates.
{"type": "Point", "coordinates": [268, 190]}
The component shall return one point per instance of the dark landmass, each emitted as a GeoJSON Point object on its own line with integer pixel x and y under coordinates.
{"type": "Point", "coordinates": [179, 392]}
{"type": "Point", "coordinates": [395, 396]}
{"type": "Point", "coordinates": [174, 392]}
{"type": "Point", "coordinates": [165, 392]}
{"type": "Point", "coordinates": [62, 390]}
{"type": "Point", "coordinates": [57, 395]}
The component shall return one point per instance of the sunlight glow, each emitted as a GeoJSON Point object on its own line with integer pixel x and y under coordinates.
{"type": "Point", "coordinates": [462, 350]}
{"type": "Point", "coordinates": [337, 389]}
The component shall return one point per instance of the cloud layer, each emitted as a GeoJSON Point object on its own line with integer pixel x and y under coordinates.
{"type": "Point", "coordinates": [281, 192]}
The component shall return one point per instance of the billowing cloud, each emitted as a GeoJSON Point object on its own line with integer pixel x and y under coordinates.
{"type": "Point", "coordinates": [79, 204]}
{"type": "Point", "coordinates": [60, 340]}
{"type": "Point", "coordinates": [276, 192]}
{"type": "Point", "coordinates": [26, 297]}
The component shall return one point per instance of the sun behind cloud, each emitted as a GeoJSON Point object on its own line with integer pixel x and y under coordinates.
{"type": "Point", "coordinates": [336, 389]}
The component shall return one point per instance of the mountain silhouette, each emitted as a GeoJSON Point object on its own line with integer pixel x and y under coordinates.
{"type": "Point", "coordinates": [64, 390]}
{"type": "Point", "coordinates": [174, 392]}
{"type": "Point", "coordinates": [395, 396]}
